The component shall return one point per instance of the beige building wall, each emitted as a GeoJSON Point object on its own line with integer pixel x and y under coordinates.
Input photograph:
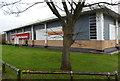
{"type": "Point", "coordinates": [55, 43]}
{"type": "Point", "coordinates": [94, 44]}
{"type": "Point", "coordinates": [119, 43]}
{"type": "Point", "coordinates": [88, 44]}
{"type": "Point", "coordinates": [36, 42]}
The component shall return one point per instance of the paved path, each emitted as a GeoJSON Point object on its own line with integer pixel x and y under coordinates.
{"type": "Point", "coordinates": [115, 52]}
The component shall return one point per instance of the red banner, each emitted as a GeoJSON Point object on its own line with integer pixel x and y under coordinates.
{"type": "Point", "coordinates": [21, 36]}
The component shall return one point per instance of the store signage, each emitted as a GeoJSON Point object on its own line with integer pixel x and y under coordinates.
{"type": "Point", "coordinates": [55, 33]}
{"type": "Point", "coordinates": [20, 36]}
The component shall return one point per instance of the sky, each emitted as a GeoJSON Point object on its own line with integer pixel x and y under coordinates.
{"type": "Point", "coordinates": [36, 13]}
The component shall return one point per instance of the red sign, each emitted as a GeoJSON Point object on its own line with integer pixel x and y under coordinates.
{"type": "Point", "coordinates": [20, 36]}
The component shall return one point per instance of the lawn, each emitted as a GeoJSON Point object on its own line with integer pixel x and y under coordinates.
{"type": "Point", "coordinates": [26, 58]}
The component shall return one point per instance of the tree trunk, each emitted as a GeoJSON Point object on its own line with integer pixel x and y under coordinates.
{"type": "Point", "coordinates": [66, 65]}
{"type": "Point", "coordinates": [67, 42]}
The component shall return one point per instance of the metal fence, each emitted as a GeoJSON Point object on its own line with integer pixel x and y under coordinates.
{"type": "Point", "coordinates": [71, 73]}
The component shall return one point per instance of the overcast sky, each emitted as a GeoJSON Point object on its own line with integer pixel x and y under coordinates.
{"type": "Point", "coordinates": [34, 14]}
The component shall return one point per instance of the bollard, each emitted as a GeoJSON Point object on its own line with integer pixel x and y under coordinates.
{"type": "Point", "coordinates": [3, 68]}
{"type": "Point", "coordinates": [116, 76]}
{"type": "Point", "coordinates": [18, 75]}
{"type": "Point", "coordinates": [28, 74]}
{"type": "Point", "coordinates": [108, 76]}
{"type": "Point", "coordinates": [71, 76]}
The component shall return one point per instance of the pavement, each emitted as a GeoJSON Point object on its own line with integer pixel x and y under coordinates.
{"type": "Point", "coordinates": [114, 52]}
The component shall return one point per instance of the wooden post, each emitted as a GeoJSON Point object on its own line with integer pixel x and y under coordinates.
{"type": "Point", "coordinates": [71, 76]}
{"type": "Point", "coordinates": [116, 76]}
{"type": "Point", "coordinates": [108, 76]}
{"type": "Point", "coordinates": [3, 68]}
{"type": "Point", "coordinates": [18, 75]}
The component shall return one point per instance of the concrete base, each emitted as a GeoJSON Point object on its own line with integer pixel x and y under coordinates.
{"type": "Point", "coordinates": [82, 50]}
{"type": "Point", "coordinates": [110, 49]}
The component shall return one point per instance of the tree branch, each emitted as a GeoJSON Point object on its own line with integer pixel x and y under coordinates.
{"type": "Point", "coordinates": [65, 7]}
{"type": "Point", "coordinates": [7, 4]}
{"type": "Point", "coordinates": [54, 10]}
{"type": "Point", "coordinates": [71, 5]}
{"type": "Point", "coordinates": [59, 8]}
{"type": "Point", "coordinates": [113, 4]}
{"type": "Point", "coordinates": [26, 8]}
{"type": "Point", "coordinates": [78, 10]}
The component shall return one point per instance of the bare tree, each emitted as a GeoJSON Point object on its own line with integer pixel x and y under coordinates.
{"type": "Point", "coordinates": [73, 11]}
{"type": "Point", "coordinates": [68, 22]}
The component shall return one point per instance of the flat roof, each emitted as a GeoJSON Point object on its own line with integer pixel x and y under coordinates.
{"type": "Point", "coordinates": [103, 9]}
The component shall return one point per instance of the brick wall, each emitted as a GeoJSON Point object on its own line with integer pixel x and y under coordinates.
{"type": "Point", "coordinates": [22, 42]}
{"type": "Point", "coordinates": [55, 43]}
{"type": "Point", "coordinates": [94, 44]}
{"type": "Point", "coordinates": [36, 42]}
{"type": "Point", "coordinates": [88, 44]}
{"type": "Point", "coordinates": [119, 43]}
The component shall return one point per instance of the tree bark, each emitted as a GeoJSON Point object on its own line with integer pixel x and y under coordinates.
{"type": "Point", "coordinates": [67, 42]}
{"type": "Point", "coordinates": [66, 65]}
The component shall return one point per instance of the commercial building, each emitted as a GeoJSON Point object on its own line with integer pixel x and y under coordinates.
{"type": "Point", "coordinates": [97, 30]}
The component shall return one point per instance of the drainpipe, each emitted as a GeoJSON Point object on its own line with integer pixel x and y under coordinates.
{"type": "Point", "coordinates": [15, 41]}
{"type": "Point", "coordinates": [117, 41]}
{"type": "Point", "coordinates": [46, 36]}
{"type": "Point", "coordinates": [32, 33]}
{"type": "Point", "coordinates": [22, 39]}
{"type": "Point", "coordinates": [10, 38]}
{"type": "Point", "coordinates": [6, 36]}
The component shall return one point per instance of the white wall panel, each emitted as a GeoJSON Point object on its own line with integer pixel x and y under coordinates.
{"type": "Point", "coordinates": [112, 32]}
{"type": "Point", "coordinates": [100, 26]}
{"type": "Point", "coordinates": [55, 37]}
{"type": "Point", "coordinates": [40, 34]}
{"type": "Point", "coordinates": [119, 33]}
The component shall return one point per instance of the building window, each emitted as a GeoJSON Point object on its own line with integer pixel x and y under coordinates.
{"type": "Point", "coordinates": [92, 24]}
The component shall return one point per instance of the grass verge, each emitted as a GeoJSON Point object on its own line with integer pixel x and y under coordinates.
{"type": "Point", "coordinates": [41, 59]}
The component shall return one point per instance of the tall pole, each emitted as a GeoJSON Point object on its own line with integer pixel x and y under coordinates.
{"type": "Point", "coordinates": [119, 7]}
{"type": "Point", "coordinates": [46, 36]}
{"type": "Point", "coordinates": [117, 41]}
{"type": "Point", "coordinates": [32, 33]}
